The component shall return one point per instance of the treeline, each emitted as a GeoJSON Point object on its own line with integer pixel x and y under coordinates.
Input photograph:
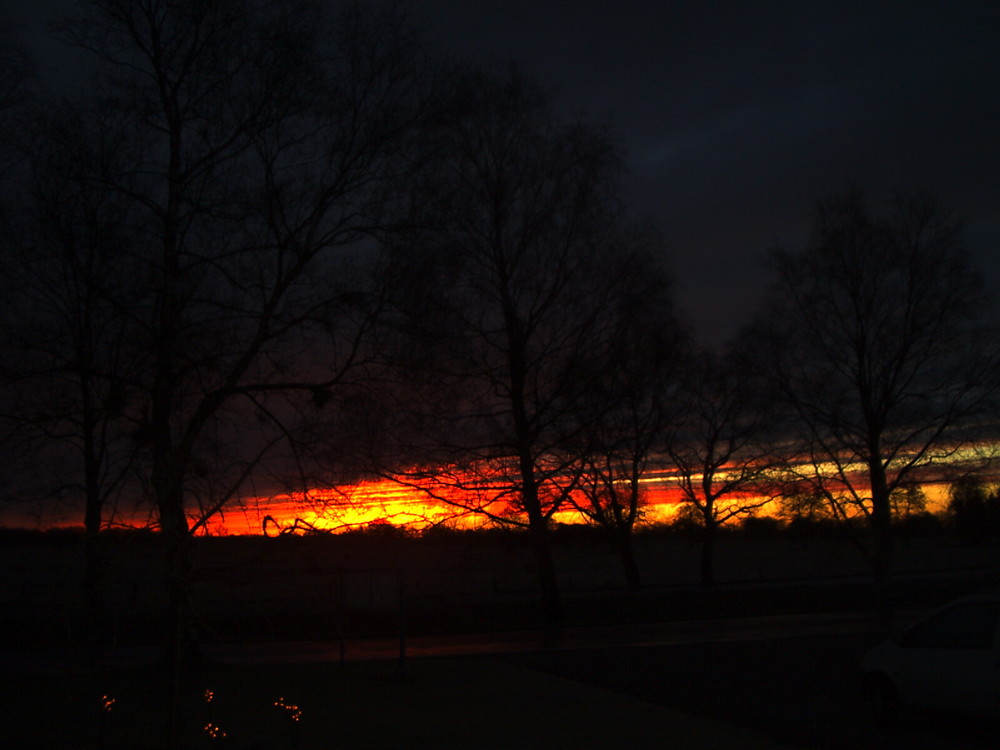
{"type": "Point", "coordinates": [972, 515]}
{"type": "Point", "coordinates": [268, 246]}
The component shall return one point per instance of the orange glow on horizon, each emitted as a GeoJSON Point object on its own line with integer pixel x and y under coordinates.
{"type": "Point", "coordinates": [451, 499]}
{"type": "Point", "coordinates": [417, 505]}
{"type": "Point", "coordinates": [386, 502]}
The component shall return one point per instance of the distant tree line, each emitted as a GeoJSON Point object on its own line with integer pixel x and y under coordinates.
{"type": "Point", "coordinates": [274, 245]}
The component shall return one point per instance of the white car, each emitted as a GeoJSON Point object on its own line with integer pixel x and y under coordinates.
{"type": "Point", "coordinates": [949, 661]}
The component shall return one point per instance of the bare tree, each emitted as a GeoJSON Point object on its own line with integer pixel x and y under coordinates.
{"type": "Point", "coordinates": [16, 78]}
{"type": "Point", "coordinates": [631, 403]}
{"type": "Point", "coordinates": [719, 445]}
{"type": "Point", "coordinates": [257, 145]}
{"type": "Point", "coordinates": [507, 284]}
{"type": "Point", "coordinates": [72, 368]}
{"type": "Point", "coordinates": [874, 340]}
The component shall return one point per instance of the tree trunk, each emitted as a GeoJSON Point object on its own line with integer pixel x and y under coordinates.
{"type": "Point", "coordinates": [93, 566]}
{"type": "Point", "coordinates": [538, 526]}
{"type": "Point", "coordinates": [623, 541]}
{"type": "Point", "coordinates": [881, 521]}
{"type": "Point", "coordinates": [707, 553]}
{"type": "Point", "coordinates": [547, 582]}
{"type": "Point", "coordinates": [180, 642]}
{"type": "Point", "coordinates": [538, 523]}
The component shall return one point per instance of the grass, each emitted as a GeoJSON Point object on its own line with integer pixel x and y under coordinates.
{"type": "Point", "coordinates": [295, 589]}
{"type": "Point", "coordinates": [439, 703]}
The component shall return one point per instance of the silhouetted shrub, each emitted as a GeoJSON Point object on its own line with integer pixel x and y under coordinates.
{"type": "Point", "coordinates": [762, 527]}
{"type": "Point", "coordinates": [11, 535]}
{"type": "Point", "coordinates": [56, 536]}
{"type": "Point", "coordinates": [652, 531]}
{"type": "Point", "coordinates": [377, 530]}
{"type": "Point", "coordinates": [922, 524]}
{"type": "Point", "coordinates": [802, 527]}
{"type": "Point", "coordinates": [974, 510]}
{"type": "Point", "coordinates": [685, 525]}
{"type": "Point", "coordinates": [579, 533]}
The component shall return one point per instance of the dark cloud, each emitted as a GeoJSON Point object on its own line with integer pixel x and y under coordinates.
{"type": "Point", "coordinates": [736, 116]}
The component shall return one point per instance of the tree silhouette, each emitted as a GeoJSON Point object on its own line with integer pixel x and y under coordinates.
{"type": "Point", "coordinates": [974, 509]}
{"type": "Point", "coordinates": [632, 401]}
{"type": "Point", "coordinates": [73, 367]}
{"type": "Point", "coordinates": [872, 338]}
{"type": "Point", "coordinates": [506, 283]}
{"type": "Point", "coordinates": [247, 152]}
{"type": "Point", "coordinates": [719, 443]}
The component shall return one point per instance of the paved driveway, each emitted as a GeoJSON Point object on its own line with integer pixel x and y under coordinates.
{"type": "Point", "coordinates": [797, 690]}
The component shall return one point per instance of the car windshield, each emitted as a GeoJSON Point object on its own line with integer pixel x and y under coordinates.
{"type": "Point", "coordinates": [966, 625]}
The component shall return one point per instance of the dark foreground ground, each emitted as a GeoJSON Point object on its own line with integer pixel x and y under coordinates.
{"type": "Point", "coordinates": [748, 690]}
{"type": "Point", "coordinates": [324, 588]}
{"type": "Point", "coordinates": [768, 658]}
{"type": "Point", "coordinates": [797, 691]}
{"type": "Point", "coordinates": [439, 703]}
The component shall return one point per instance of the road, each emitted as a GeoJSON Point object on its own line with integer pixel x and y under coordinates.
{"type": "Point", "coordinates": [630, 635]}
{"type": "Point", "coordinates": [792, 679]}
{"type": "Point", "coordinates": [799, 690]}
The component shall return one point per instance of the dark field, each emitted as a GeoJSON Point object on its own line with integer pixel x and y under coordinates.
{"type": "Point", "coordinates": [357, 586]}
{"type": "Point", "coordinates": [739, 662]}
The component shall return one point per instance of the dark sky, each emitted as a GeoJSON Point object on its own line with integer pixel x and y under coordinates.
{"type": "Point", "coordinates": [737, 116]}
